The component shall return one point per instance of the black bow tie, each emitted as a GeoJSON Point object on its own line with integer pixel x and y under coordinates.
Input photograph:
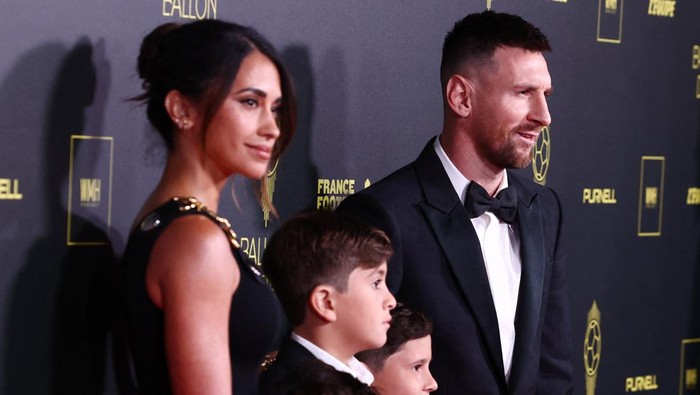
{"type": "Point", "coordinates": [504, 205]}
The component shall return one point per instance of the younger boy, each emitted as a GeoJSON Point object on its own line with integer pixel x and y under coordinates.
{"type": "Point", "coordinates": [401, 366]}
{"type": "Point", "coordinates": [328, 271]}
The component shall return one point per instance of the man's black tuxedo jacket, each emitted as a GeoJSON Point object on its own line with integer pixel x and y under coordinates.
{"type": "Point", "coordinates": [438, 268]}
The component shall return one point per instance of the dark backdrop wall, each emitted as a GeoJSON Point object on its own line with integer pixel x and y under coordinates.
{"type": "Point", "coordinates": [623, 152]}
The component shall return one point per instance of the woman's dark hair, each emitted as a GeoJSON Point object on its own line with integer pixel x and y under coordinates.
{"type": "Point", "coordinates": [201, 60]}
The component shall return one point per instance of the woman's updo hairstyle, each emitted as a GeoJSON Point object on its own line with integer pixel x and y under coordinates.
{"type": "Point", "coordinates": [201, 60]}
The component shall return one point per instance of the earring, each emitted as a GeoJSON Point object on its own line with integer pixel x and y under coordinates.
{"type": "Point", "coordinates": [183, 124]}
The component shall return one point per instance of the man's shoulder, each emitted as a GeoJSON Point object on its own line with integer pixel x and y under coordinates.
{"type": "Point", "coordinates": [402, 176]}
{"type": "Point", "coordinates": [394, 189]}
{"type": "Point", "coordinates": [405, 177]}
{"type": "Point", "coordinates": [528, 186]}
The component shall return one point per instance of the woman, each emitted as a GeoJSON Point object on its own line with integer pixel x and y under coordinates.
{"type": "Point", "coordinates": [200, 318]}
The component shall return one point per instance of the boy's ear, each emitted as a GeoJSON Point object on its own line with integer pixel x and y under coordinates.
{"type": "Point", "coordinates": [322, 302]}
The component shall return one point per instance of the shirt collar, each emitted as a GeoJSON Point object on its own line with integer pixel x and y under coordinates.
{"type": "Point", "coordinates": [458, 180]}
{"type": "Point", "coordinates": [354, 367]}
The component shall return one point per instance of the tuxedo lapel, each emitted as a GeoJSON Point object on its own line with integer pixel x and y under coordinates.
{"type": "Point", "coordinates": [291, 354]}
{"type": "Point", "coordinates": [458, 240]}
{"type": "Point", "coordinates": [532, 256]}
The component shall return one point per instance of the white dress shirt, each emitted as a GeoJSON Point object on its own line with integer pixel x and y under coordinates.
{"type": "Point", "coordinates": [500, 247]}
{"type": "Point", "coordinates": [354, 367]}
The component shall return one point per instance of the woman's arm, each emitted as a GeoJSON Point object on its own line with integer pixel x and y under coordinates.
{"type": "Point", "coordinates": [192, 276]}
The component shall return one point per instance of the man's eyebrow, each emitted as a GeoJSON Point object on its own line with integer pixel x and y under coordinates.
{"type": "Point", "coordinates": [527, 86]}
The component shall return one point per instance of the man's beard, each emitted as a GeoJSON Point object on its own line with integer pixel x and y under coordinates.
{"type": "Point", "coordinates": [507, 154]}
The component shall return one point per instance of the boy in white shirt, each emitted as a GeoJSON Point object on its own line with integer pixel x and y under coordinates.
{"type": "Point", "coordinates": [328, 271]}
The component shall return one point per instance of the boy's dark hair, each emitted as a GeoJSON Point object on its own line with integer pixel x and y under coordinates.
{"type": "Point", "coordinates": [474, 38]}
{"type": "Point", "coordinates": [317, 378]}
{"type": "Point", "coordinates": [406, 324]}
{"type": "Point", "coordinates": [319, 247]}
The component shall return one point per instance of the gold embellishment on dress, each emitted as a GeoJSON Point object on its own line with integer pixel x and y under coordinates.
{"type": "Point", "coordinates": [151, 222]}
{"type": "Point", "coordinates": [191, 203]}
{"type": "Point", "coordinates": [269, 359]}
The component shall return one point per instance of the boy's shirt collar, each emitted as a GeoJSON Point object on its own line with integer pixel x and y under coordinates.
{"type": "Point", "coordinates": [354, 367]}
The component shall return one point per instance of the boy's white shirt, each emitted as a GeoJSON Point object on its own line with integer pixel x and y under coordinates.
{"type": "Point", "coordinates": [354, 367]}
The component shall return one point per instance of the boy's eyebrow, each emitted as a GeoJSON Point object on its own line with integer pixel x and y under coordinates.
{"type": "Point", "coordinates": [377, 270]}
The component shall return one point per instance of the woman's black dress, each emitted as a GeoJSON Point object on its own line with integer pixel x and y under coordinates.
{"type": "Point", "coordinates": [256, 319]}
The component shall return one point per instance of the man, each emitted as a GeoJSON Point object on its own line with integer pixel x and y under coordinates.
{"type": "Point", "coordinates": [493, 281]}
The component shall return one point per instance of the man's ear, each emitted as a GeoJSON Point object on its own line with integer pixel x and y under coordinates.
{"type": "Point", "coordinates": [458, 93]}
{"type": "Point", "coordinates": [322, 302]}
{"type": "Point", "coordinates": [180, 109]}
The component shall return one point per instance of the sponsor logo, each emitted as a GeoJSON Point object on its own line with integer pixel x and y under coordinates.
{"type": "Point", "coordinates": [665, 8]}
{"type": "Point", "coordinates": [651, 197]}
{"type": "Point", "coordinates": [695, 62]}
{"type": "Point", "coordinates": [690, 364]}
{"type": "Point", "coordinates": [691, 379]}
{"type": "Point", "coordinates": [609, 28]}
{"type": "Point", "coordinates": [540, 156]}
{"type": "Point", "coordinates": [190, 9]}
{"type": "Point", "coordinates": [599, 196]}
{"type": "Point", "coordinates": [254, 248]}
{"type": "Point", "coordinates": [89, 190]}
{"type": "Point", "coordinates": [9, 189]}
{"type": "Point", "coordinates": [651, 187]}
{"type": "Point", "coordinates": [330, 192]}
{"type": "Point", "coordinates": [641, 383]}
{"type": "Point", "coordinates": [592, 347]}
{"type": "Point", "coordinates": [693, 196]}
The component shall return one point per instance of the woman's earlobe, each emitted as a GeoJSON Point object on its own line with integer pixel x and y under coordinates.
{"type": "Point", "coordinates": [179, 110]}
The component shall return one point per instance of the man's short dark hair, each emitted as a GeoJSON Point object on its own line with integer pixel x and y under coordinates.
{"type": "Point", "coordinates": [319, 247]}
{"type": "Point", "coordinates": [473, 40]}
{"type": "Point", "coordinates": [406, 324]}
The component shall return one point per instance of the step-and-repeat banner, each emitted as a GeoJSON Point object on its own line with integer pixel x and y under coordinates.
{"type": "Point", "coordinates": [623, 152]}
